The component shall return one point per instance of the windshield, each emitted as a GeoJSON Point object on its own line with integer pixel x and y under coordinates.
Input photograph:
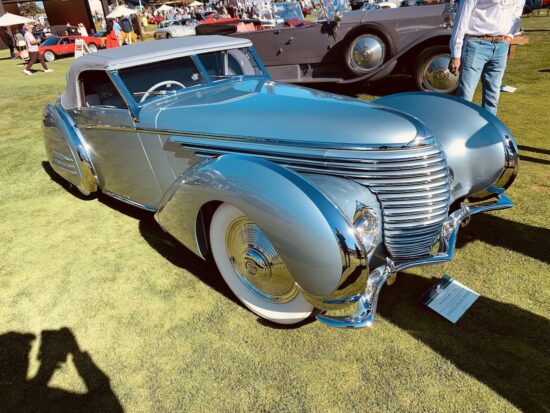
{"type": "Point", "coordinates": [287, 11]}
{"type": "Point", "coordinates": [51, 41]}
{"type": "Point", "coordinates": [327, 9]}
{"type": "Point", "coordinates": [230, 63]}
{"type": "Point", "coordinates": [159, 79]}
{"type": "Point", "coordinates": [164, 78]}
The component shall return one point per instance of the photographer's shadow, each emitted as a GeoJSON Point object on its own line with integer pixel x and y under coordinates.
{"type": "Point", "coordinates": [21, 394]}
{"type": "Point", "coordinates": [499, 344]}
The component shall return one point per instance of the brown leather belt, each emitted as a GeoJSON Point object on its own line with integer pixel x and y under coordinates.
{"type": "Point", "coordinates": [488, 37]}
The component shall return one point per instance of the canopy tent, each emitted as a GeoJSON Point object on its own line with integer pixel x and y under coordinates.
{"type": "Point", "coordinates": [121, 11]}
{"type": "Point", "coordinates": [9, 19]}
{"type": "Point", "coordinates": [164, 7]}
{"type": "Point", "coordinates": [196, 4]}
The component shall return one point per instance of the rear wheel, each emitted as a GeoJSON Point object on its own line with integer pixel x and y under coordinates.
{"type": "Point", "coordinates": [253, 269]}
{"type": "Point", "coordinates": [365, 53]}
{"type": "Point", "coordinates": [92, 48]}
{"type": "Point", "coordinates": [431, 71]}
{"type": "Point", "coordinates": [49, 56]}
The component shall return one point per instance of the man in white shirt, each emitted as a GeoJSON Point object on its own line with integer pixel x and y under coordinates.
{"type": "Point", "coordinates": [34, 54]}
{"type": "Point", "coordinates": [479, 45]}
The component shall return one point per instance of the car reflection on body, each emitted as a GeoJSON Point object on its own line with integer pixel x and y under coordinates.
{"type": "Point", "coordinates": [304, 200]}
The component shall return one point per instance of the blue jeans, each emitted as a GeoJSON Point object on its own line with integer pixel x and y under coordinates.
{"type": "Point", "coordinates": [486, 60]}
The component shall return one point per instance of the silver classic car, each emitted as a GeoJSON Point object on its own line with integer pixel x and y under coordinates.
{"type": "Point", "coordinates": [175, 28]}
{"type": "Point", "coordinates": [305, 200]}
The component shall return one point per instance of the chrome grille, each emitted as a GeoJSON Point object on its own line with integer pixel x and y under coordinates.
{"type": "Point", "coordinates": [412, 183]}
{"type": "Point", "coordinates": [413, 188]}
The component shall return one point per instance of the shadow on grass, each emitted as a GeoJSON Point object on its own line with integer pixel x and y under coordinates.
{"type": "Point", "coordinates": [499, 344]}
{"type": "Point", "coordinates": [20, 394]}
{"type": "Point", "coordinates": [63, 183]}
{"type": "Point", "coordinates": [533, 149]}
{"type": "Point", "coordinates": [180, 256]}
{"type": "Point", "coordinates": [205, 271]}
{"type": "Point", "coordinates": [166, 245]}
{"type": "Point", "coordinates": [493, 230]}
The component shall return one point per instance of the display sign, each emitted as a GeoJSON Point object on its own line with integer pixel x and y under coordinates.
{"type": "Point", "coordinates": [80, 48]}
{"type": "Point", "coordinates": [449, 298]}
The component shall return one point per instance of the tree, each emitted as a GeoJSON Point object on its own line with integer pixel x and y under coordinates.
{"type": "Point", "coordinates": [30, 10]}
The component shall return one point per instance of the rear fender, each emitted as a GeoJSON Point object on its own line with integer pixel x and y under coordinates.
{"type": "Point", "coordinates": [67, 151]}
{"type": "Point", "coordinates": [480, 150]}
{"type": "Point", "coordinates": [314, 238]}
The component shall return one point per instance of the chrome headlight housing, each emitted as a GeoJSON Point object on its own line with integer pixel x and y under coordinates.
{"type": "Point", "coordinates": [365, 222]}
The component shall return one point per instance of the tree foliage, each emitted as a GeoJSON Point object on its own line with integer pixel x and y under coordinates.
{"type": "Point", "coordinates": [30, 10]}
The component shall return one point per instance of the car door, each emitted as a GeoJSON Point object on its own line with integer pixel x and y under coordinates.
{"type": "Point", "coordinates": [117, 152]}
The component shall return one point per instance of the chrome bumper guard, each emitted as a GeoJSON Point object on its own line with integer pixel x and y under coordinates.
{"type": "Point", "coordinates": [366, 302]}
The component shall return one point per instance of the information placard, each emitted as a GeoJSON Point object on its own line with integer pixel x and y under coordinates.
{"type": "Point", "coordinates": [449, 298]}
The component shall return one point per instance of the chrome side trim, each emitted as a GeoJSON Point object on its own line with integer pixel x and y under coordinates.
{"type": "Point", "coordinates": [183, 138]}
{"type": "Point", "coordinates": [364, 316]}
{"type": "Point", "coordinates": [128, 201]}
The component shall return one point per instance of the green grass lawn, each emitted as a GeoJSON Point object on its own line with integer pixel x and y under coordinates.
{"type": "Point", "coordinates": [158, 330]}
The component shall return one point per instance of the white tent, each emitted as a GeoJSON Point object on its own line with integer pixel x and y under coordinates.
{"type": "Point", "coordinates": [9, 19]}
{"type": "Point", "coordinates": [164, 7]}
{"type": "Point", "coordinates": [196, 4]}
{"type": "Point", "coordinates": [121, 11]}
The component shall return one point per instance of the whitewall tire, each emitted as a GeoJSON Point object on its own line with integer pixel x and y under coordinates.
{"type": "Point", "coordinates": [253, 270]}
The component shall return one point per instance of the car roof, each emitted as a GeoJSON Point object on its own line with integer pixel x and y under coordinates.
{"type": "Point", "coordinates": [141, 54]}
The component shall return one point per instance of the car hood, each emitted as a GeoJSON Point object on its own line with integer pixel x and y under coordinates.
{"type": "Point", "coordinates": [274, 111]}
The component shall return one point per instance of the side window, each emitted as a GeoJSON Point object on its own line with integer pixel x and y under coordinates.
{"type": "Point", "coordinates": [98, 90]}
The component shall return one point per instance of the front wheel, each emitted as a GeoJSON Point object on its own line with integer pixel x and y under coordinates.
{"type": "Point", "coordinates": [431, 71]}
{"type": "Point", "coordinates": [49, 56]}
{"type": "Point", "coordinates": [253, 269]}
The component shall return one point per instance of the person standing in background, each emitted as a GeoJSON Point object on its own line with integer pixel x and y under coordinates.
{"type": "Point", "coordinates": [112, 39]}
{"type": "Point", "coordinates": [479, 44]}
{"type": "Point", "coordinates": [8, 39]}
{"type": "Point", "coordinates": [82, 30]}
{"type": "Point", "coordinates": [127, 30]}
{"type": "Point", "coordinates": [34, 54]}
{"type": "Point", "coordinates": [117, 29]}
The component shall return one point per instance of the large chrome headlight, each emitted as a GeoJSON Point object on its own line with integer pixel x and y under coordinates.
{"type": "Point", "coordinates": [365, 222]}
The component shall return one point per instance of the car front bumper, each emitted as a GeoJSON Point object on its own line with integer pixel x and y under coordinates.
{"type": "Point", "coordinates": [366, 302]}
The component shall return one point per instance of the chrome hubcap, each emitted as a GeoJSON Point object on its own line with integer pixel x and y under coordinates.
{"type": "Point", "coordinates": [367, 52]}
{"type": "Point", "coordinates": [257, 263]}
{"type": "Point", "coordinates": [436, 75]}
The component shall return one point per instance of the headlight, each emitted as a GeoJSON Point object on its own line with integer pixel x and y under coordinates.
{"type": "Point", "coordinates": [365, 222]}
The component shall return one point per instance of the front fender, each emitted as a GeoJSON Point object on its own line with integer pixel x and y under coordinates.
{"type": "Point", "coordinates": [316, 241]}
{"type": "Point", "coordinates": [480, 149]}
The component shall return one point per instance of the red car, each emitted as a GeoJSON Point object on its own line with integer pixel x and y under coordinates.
{"type": "Point", "coordinates": [59, 46]}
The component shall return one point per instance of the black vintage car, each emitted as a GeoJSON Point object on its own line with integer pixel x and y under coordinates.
{"type": "Point", "coordinates": [353, 46]}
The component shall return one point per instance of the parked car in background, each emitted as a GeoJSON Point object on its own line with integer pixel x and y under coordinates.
{"type": "Point", "coordinates": [55, 47]}
{"type": "Point", "coordinates": [175, 28]}
{"type": "Point", "coordinates": [42, 35]}
{"type": "Point", "coordinates": [303, 199]}
{"type": "Point", "coordinates": [355, 46]}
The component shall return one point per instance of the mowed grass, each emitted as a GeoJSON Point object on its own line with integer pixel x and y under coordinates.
{"type": "Point", "coordinates": [169, 336]}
